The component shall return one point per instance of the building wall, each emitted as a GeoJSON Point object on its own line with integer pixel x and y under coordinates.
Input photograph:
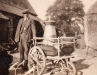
{"type": "Point", "coordinates": [91, 30]}
{"type": "Point", "coordinates": [8, 27]}
{"type": "Point", "coordinates": [3, 30]}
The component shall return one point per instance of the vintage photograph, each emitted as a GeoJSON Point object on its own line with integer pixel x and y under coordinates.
{"type": "Point", "coordinates": [48, 37]}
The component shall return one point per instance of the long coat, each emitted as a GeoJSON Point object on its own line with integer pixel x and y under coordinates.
{"type": "Point", "coordinates": [30, 29]}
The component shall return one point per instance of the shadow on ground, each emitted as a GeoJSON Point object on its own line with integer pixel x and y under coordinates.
{"type": "Point", "coordinates": [79, 65]}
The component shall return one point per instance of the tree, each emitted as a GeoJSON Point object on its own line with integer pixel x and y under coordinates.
{"type": "Point", "coordinates": [66, 11]}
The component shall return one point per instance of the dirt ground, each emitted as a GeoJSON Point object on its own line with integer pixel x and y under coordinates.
{"type": "Point", "coordinates": [85, 63]}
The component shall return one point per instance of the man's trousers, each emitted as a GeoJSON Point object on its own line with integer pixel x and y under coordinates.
{"type": "Point", "coordinates": [23, 47]}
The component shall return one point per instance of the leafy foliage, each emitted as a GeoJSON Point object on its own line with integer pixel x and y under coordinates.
{"type": "Point", "coordinates": [64, 11]}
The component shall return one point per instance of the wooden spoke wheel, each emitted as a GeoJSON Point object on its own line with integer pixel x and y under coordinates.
{"type": "Point", "coordinates": [70, 68]}
{"type": "Point", "coordinates": [67, 67]}
{"type": "Point", "coordinates": [36, 58]}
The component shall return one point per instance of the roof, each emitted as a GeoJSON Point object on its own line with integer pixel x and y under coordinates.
{"type": "Point", "coordinates": [38, 19]}
{"type": "Point", "coordinates": [16, 6]}
{"type": "Point", "coordinates": [2, 16]}
{"type": "Point", "coordinates": [92, 9]}
{"type": "Point", "coordinates": [10, 9]}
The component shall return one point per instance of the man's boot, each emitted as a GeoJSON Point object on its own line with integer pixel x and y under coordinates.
{"type": "Point", "coordinates": [25, 66]}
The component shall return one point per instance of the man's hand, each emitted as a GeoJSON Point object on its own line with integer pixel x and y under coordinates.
{"type": "Point", "coordinates": [16, 40]}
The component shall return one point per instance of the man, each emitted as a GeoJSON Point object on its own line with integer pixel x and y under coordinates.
{"type": "Point", "coordinates": [24, 33]}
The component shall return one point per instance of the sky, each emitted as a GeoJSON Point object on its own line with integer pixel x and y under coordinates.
{"type": "Point", "coordinates": [40, 6]}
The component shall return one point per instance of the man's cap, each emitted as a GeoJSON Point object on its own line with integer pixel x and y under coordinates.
{"type": "Point", "coordinates": [25, 11]}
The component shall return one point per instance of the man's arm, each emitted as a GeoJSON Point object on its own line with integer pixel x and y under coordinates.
{"type": "Point", "coordinates": [33, 28]}
{"type": "Point", "coordinates": [17, 31]}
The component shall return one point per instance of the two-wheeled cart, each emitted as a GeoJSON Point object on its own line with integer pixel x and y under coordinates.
{"type": "Point", "coordinates": [40, 56]}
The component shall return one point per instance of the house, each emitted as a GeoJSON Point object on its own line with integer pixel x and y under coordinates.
{"type": "Point", "coordinates": [10, 13]}
{"type": "Point", "coordinates": [91, 27]}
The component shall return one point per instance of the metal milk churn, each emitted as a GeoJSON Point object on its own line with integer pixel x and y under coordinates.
{"type": "Point", "coordinates": [49, 32]}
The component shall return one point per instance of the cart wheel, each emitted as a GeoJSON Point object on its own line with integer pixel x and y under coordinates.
{"type": "Point", "coordinates": [36, 58]}
{"type": "Point", "coordinates": [71, 70]}
{"type": "Point", "coordinates": [67, 67]}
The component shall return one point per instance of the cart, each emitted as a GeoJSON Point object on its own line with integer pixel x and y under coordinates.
{"type": "Point", "coordinates": [38, 59]}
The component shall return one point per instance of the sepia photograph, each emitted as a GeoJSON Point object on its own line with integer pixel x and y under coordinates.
{"type": "Point", "coordinates": [48, 37]}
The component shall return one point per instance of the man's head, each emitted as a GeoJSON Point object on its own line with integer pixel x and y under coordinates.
{"type": "Point", "coordinates": [26, 13]}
